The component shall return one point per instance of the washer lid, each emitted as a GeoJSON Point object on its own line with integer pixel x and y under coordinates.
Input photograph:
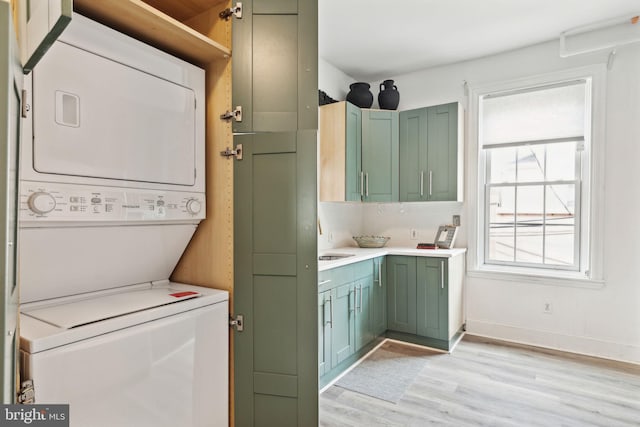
{"type": "Point", "coordinates": [82, 312]}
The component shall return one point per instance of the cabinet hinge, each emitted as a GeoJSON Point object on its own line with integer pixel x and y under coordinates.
{"type": "Point", "coordinates": [232, 11]}
{"type": "Point", "coordinates": [27, 392]}
{"type": "Point", "coordinates": [238, 322]}
{"type": "Point", "coordinates": [234, 114]}
{"type": "Point", "coordinates": [25, 106]}
{"type": "Point", "coordinates": [231, 153]}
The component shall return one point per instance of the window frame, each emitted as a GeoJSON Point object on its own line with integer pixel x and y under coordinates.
{"type": "Point", "coordinates": [589, 271]}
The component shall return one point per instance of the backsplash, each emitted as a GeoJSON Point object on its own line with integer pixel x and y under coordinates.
{"type": "Point", "coordinates": [396, 220]}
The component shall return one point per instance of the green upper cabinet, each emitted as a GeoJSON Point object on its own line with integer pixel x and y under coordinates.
{"type": "Point", "coordinates": [431, 153]}
{"type": "Point", "coordinates": [358, 154]}
{"type": "Point", "coordinates": [380, 151]}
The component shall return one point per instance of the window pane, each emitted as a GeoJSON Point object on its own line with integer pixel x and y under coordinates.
{"type": "Point", "coordinates": [556, 112]}
{"type": "Point", "coordinates": [503, 165]}
{"type": "Point", "coordinates": [501, 223]}
{"type": "Point", "coordinates": [529, 224]}
{"type": "Point", "coordinates": [561, 161]}
{"type": "Point", "coordinates": [560, 225]}
{"type": "Point", "coordinates": [531, 163]}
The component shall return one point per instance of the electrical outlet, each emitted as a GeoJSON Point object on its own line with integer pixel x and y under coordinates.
{"type": "Point", "coordinates": [413, 234]}
{"type": "Point", "coordinates": [456, 220]}
{"type": "Point", "coordinates": [548, 308]}
{"type": "Point", "coordinates": [330, 237]}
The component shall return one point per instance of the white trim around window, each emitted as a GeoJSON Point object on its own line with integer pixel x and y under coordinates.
{"type": "Point", "coordinates": [589, 272]}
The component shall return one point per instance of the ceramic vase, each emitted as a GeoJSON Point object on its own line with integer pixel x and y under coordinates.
{"type": "Point", "coordinates": [389, 97]}
{"type": "Point", "coordinates": [360, 95]}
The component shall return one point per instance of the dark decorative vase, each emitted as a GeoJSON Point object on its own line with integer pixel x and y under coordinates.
{"type": "Point", "coordinates": [360, 95]}
{"type": "Point", "coordinates": [389, 97]}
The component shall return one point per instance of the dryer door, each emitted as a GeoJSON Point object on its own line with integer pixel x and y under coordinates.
{"type": "Point", "coordinates": [94, 117]}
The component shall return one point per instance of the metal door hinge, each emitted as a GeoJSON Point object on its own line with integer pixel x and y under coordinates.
{"type": "Point", "coordinates": [232, 11]}
{"type": "Point", "coordinates": [27, 392]}
{"type": "Point", "coordinates": [25, 106]}
{"type": "Point", "coordinates": [238, 322]}
{"type": "Point", "coordinates": [234, 114]}
{"type": "Point", "coordinates": [230, 153]}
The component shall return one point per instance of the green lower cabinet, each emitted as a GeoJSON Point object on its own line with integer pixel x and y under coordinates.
{"type": "Point", "coordinates": [432, 298]}
{"type": "Point", "coordinates": [363, 296]}
{"type": "Point", "coordinates": [343, 340]}
{"type": "Point", "coordinates": [401, 294]}
{"type": "Point", "coordinates": [325, 328]}
{"type": "Point", "coordinates": [379, 296]}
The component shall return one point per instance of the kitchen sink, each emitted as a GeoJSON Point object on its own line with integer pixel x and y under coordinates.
{"type": "Point", "coordinates": [333, 257]}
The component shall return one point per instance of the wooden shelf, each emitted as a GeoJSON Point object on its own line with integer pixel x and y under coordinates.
{"type": "Point", "coordinates": [142, 21]}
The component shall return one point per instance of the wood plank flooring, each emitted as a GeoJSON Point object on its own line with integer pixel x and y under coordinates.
{"type": "Point", "coordinates": [492, 383]}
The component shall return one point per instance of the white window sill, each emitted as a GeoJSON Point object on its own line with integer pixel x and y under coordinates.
{"type": "Point", "coordinates": [530, 275]}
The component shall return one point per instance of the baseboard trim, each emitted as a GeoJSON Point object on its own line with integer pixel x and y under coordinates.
{"type": "Point", "coordinates": [619, 352]}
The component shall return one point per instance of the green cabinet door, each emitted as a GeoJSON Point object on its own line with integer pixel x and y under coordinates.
{"type": "Point", "coordinates": [379, 297]}
{"type": "Point", "coordinates": [343, 334]}
{"type": "Point", "coordinates": [353, 154]}
{"type": "Point", "coordinates": [363, 311]}
{"type": "Point", "coordinates": [380, 156]}
{"type": "Point", "coordinates": [413, 155]}
{"type": "Point", "coordinates": [429, 154]}
{"type": "Point", "coordinates": [442, 152]}
{"type": "Point", "coordinates": [432, 298]}
{"type": "Point", "coordinates": [275, 81]}
{"type": "Point", "coordinates": [401, 294]}
{"type": "Point", "coordinates": [324, 332]}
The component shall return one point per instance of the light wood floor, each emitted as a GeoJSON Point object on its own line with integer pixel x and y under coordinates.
{"type": "Point", "coordinates": [492, 383]}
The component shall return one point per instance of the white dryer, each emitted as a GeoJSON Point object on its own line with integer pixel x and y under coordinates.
{"type": "Point", "coordinates": [111, 191]}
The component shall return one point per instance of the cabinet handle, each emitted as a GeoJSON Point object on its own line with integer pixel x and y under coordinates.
{"type": "Point", "coordinates": [421, 183]}
{"type": "Point", "coordinates": [354, 309]}
{"type": "Point", "coordinates": [331, 310]}
{"type": "Point", "coordinates": [441, 274]}
{"type": "Point", "coordinates": [380, 274]}
{"type": "Point", "coordinates": [430, 183]}
{"type": "Point", "coordinates": [360, 298]}
{"type": "Point", "coordinates": [361, 184]}
{"type": "Point", "coordinates": [366, 175]}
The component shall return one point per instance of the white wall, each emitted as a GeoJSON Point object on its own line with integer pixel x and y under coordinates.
{"type": "Point", "coordinates": [602, 321]}
{"type": "Point", "coordinates": [333, 81]}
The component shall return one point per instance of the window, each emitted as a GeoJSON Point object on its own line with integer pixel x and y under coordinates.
{"type": "Point", "coordinates": [534, 162]}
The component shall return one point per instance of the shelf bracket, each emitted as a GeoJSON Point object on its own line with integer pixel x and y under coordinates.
{"type": "Point", "coordinates": [232, 11]}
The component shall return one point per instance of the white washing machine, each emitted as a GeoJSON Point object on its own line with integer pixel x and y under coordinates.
{"type": "Point", "coordinates": [111, 191]}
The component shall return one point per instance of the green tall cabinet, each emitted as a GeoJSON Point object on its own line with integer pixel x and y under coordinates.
{"type": "Point", "coordinates": [431, 153]}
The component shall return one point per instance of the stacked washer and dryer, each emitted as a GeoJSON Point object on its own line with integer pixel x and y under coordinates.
{"type": "Point", "coordinates": [111, 191]}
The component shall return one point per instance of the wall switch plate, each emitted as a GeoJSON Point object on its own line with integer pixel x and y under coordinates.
{"type": "Point", "coordinates": [330, 237]}
{"type": "Point", "coordinates": [456, 220]}
{"type": "Point", "coordinates": [413, 234]}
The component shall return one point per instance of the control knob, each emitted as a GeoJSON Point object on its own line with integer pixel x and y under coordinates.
{"type": "Point", "coordinates": [194, 206]}
{"type": "Point", "coordinates": [41, 202]}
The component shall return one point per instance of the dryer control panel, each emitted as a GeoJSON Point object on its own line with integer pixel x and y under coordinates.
{"type": "Point", "coordinates": [68, 202]}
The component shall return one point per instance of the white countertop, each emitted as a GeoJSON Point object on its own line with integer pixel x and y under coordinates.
{"type": "Point", "coordinates": [362, 254]}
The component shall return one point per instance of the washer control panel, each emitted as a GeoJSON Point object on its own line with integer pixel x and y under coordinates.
{"type": "Point", "coordinates": [67, 202]}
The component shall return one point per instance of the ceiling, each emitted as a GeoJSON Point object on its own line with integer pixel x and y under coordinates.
{"type": "Point", "coordinates": [375, 39]}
